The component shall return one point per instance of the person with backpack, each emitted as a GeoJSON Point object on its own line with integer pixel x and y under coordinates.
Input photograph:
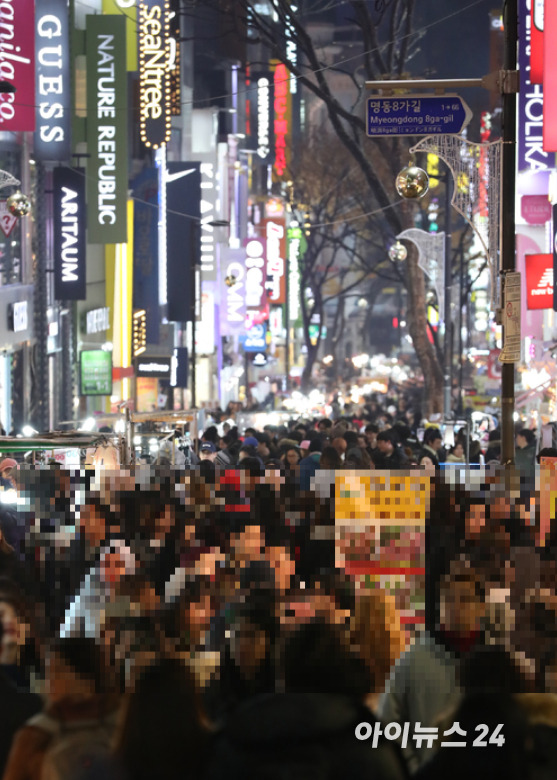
{"type": "Point", "coordinates": [74, 732]}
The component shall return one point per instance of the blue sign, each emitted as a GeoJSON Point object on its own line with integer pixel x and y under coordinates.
{"type": "Point", "coordinates": [417, 115]}
{"type": "Point", "coordinates": [255, 340]}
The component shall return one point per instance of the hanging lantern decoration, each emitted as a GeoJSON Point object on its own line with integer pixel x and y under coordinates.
{"type": "Point", "coordinates": [398, 252]}
{"type": "Point", "coordinates": [412, 182]}
{"type": "Point", "coordinates": [18, 204]}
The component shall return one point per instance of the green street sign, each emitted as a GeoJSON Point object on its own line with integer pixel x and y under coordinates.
{"type": "Point", "coordinates": [95, 374]}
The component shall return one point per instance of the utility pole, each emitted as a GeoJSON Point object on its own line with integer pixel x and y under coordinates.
{"type": "Point", "coordinates": [508, 169]}
{"type": "Point", "coordinates": [447, 339]}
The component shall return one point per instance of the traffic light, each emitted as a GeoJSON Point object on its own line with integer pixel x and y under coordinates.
{"type": "Point", "coordinates": [433, 215]}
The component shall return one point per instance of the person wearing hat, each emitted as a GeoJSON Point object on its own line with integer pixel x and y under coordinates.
{"type": "Point", "coordinates": [7, 482]}
{"type": "Point", "coordinates": [208, 451]}
{"type": "Point", "coordinates": [250, 441]}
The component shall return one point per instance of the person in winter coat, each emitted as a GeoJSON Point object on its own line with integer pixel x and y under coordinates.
{"type": "Point", "coordinates": [424, 682]}
{"type": "Point", "coordinates": [77, 685]}
{"type": "Point", "coordinates": [389, 454]}
{"type": "Point", "coordinates": [17, 707]}
{"type": "Point", "coordinates": [429, 453]}
{"type": "Point", "coordinates": [310, 729]}
{"type": "Point", "coordinates": [525, 455]}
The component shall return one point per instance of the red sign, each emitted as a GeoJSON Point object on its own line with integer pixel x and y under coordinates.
{"type": "Point", "coordinates": [539, 281]}
{"type": "Point", "coordinates": [282, 118]}
{"type": "Point", "coordinates": [550, 78]}
{"type": "Point", "coordinates": [17, 64]}
{"type": "Point", "coordinates": [536, 42]}
{"type": "Point", "coordinates": [535, 209]}
{"type": "Point", "coordinates": [275, 232]}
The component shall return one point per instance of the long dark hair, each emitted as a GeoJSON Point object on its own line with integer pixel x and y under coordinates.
{"type": "Point", "coordinates": [162, 735]}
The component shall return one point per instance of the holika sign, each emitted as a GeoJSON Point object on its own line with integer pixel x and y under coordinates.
{"type": "Point", "coordinates": [154, 74]}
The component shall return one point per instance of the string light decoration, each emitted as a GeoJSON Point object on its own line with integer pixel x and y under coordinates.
{"type": "Point", "coordinates": [155, 98]}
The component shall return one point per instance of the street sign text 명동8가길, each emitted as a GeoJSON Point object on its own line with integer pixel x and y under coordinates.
{"type": "Point", "coordinates": [417, 115]}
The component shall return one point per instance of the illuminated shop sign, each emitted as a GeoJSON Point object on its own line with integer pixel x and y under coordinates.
{"type": "Point", "coordinates": [17, 64]}
{"type": "Point", "coordinates": [263, 118]}
{"type": "Point", "coordinates": [18, 319]}
{"type": "Point", "coordinates": [550, 78]}
{"type": "Point", "coordinates": [294, 254]}
{"type": "Point", "coordinates": [107, 130]}
{"type": "Point", "coordinates": [174, 67]}
{"type": "Point", "coordinates": [154, 75]}
{"type": "Point", "coordinates": [255, 273]}
{"type": "Point", "coordinates": [159, 367]}
{"type": "Point", "coordinates": [275, 231]}
{"type": "Point", "coordinates": [282, 120]}
{"type": "Point", "coordinates": [539, 281]}
{"type": "Point", "coordinates": [97, 320]}
{"type": "Point", "coordinates": [139, 332]}
{"type": "Point", "coordinates": [68, 186]}
{"type": "Point", "coordinates": [530, 152]}
{"type": "Point", "coordinates": [208, 206]}
{"type": "Point", "coordinates": [127, 9]}
{"type": "Point", "coordinates": [536, 42]}
{"type": "Point", "coordinates": [52, 136]}
{"type": "Point", "coordinates": [232, 290]}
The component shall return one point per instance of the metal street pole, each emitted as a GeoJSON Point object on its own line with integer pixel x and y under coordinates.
{"type": "Point", "coordinates": [193, 315]}
{"type": "Point", "coordinates": [507, 217]}
{"type": "Point", "coordinates": [447, 340]}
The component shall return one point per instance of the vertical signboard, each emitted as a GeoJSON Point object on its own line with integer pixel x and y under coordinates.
{"type": "Point", "coordinates": [128, 10]}
{"type": "Point", "coordinates": [554, 234]}
{"type": "Point", "coordinates": [183, 196]}
{"type": "Point", "coordinates": [107, 130]}
{"type": "Point", "coordinates": [275, 234]}
{"type": "Point", "coordinates": [531, 156]}
{"type": "Point", "coordinates": [154, 75]}
{"type": "Point", "coordinates": [52, 134]}
{"type": "Point", "coordinates": [282, 120]}
{"type": "Point", "coordinates": [550, 77]}
{"type": "Point", "coordinates": [262, 116]}
{"type": "Point", "coordinates": [146, 254]}
{"type": "Point", "coordinates": [232, 292]}
{"type": "Point", "coordinates": [70, 276]}
{"type": "Point", "coordinates": [536, 42]}
{"type": "Point", "coordinates": [17, 65]}
{"type": "Point", "coordinates": [296, 247]}
{"type": "Point", "coordinates": [208, 215]}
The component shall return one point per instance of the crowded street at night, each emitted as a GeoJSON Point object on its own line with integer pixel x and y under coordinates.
{"type": "Point", "coordinates": [278, 390]}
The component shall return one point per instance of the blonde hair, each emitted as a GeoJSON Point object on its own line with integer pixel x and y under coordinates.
{"type": "Point", "coordinates": [376, 633]}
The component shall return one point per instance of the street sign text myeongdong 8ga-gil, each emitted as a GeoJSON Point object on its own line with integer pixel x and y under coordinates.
{"type": "Point", "coordinates": [417, 115]}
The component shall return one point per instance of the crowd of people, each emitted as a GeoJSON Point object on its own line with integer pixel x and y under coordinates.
{"type": "Point", "coordinates": [195, 623]}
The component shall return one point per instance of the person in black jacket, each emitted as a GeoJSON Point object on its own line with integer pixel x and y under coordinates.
{"type": "Point", "coordinates": [389, 454]}
{"type": "Point", "coordinates": [310, 729]}
{"type": "Point", "coordinates": [17, 707]}
{"type": "Point", "coordinates": [429, 453]}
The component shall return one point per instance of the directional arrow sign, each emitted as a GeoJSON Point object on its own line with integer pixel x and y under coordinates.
{"type": "Point", "coordinates": [417, 115]}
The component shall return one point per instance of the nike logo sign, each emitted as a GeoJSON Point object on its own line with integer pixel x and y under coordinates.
{"type": "Point", "coordinates": [180, 175]}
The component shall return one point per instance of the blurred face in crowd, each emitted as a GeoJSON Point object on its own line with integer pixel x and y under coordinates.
{"type": "Point", "coordinates": [63, 681]}
{"type": "Point", "coordinates": [262, 450]}
{"type": "Point", "coordinates": [461, 607]}
{"type": "Point", "coordinates": [113, 567]}
{"type": "Point", "coordinates": [197, 617]}
{"type": "Point", "coordinates": [164, 522]}
{"type": "Point", "coordinates": [458, 450]}
{"type": "Point", "coordinates": [291, 458]}
{"type": "Point", "coordinates": [436, 444]}
{"type": "Point", "coordinates": [15, 632]}
{"type": "Point", "coordinates": [385, 447]}
{"type": "Point", "coordinates": [475, 519]}
{"type": "Point", "coordinates": [249, 646]}
{"type": "Point", "coordinates": [521, 442]}
{"type": "Point", "coordinates": [371, 438]}
{"type": "Point", "coordinates": [283, 566]}
{"type": "Point", "coordinates": [247, 544]}
{"type": "Point", "coordinates": [362, 441]}
{"type": "Point", "coordinates": [340, 445]}
{"type": "Point", "coordinates": [92, 523]}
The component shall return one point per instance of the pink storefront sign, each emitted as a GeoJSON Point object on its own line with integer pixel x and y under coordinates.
{"type": "Point", "coordinates": [17, 64]}
{"type": "Point", "coordinates": [535, 209]}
